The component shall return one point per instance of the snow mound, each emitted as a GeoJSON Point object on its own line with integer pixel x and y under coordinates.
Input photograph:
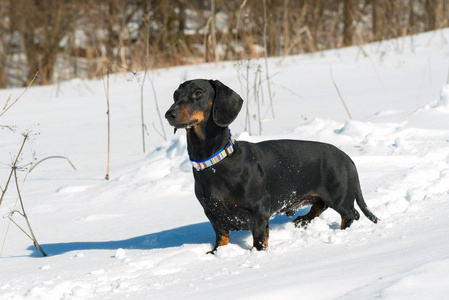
{"type": "Point", "coordinates": [143, 234]}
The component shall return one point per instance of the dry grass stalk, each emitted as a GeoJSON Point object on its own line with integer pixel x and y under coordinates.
{"type": "Point", "coordinates": [158, 111]}
{"type": "Point", "coordinates": [339, 95]}
{"type": "Point", "coordinates": [109, 123]}
{"type": "Point", "coordinates": [257, 87]}
{"type": "Point", "coordinates": [147, 63]}
{"type": "Point", "coordinates": [265, 21]}
{"type": "Point", "coordinates": [7, 101]}
{"type": "Point", "coordinates": [12, 174]}
{"type": "Point", "coordinates": [12, 169]}
{"type": "Point", "coordinates": [5, 109]}
{"type": "Point", "coordinates": [56, 156]}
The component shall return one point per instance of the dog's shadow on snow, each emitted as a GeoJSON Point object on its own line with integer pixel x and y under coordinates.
{"type": "Point", "coordinates": [200, 233]}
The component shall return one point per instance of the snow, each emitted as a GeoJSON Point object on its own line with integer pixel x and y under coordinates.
{"type": "Point", "coordinates": [143, 234]}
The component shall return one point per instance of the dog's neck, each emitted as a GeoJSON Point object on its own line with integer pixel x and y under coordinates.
{"type": "Point", "coordinates": [204, 140]}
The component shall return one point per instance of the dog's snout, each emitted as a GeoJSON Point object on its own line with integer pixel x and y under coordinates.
{"type": "Point", "coordinates": [171, 114]}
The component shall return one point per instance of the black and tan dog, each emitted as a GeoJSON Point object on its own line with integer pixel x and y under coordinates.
{"type": "Point", "coordinates": [241, 185]}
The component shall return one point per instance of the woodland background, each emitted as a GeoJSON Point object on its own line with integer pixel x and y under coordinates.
{"type": "Point", "coordinates": [87, 38]}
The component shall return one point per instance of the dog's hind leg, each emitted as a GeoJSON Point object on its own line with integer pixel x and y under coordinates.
{"type": "Point", "coordinates": [317, 208]}
{"type": "Point", "coordinates": [347, 216]}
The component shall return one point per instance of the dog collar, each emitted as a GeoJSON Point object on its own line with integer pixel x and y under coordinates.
{"type": "Point", "coordinates": [217, 157]}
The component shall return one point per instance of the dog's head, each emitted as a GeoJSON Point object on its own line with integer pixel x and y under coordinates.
{"type": "Point", "coordinates": [198, 100]}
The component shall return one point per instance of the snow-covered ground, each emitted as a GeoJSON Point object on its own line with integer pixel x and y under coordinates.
{"type": "Point", "coordinates": [143, 234]}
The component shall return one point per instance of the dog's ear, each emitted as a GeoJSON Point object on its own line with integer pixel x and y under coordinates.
{"type": "Point", "coordinates": [227, 104]}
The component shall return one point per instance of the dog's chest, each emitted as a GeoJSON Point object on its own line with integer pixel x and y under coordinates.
{"type": "Point", "coordinates": [226, 215]}
{"type": "Point", "coordinates": [224, 202]}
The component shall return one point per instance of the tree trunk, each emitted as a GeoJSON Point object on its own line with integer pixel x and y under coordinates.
{"type": "Point", "coordinates": [350, 9]}
{"type": "Point", "coordinates": [378, 19]}
{"type": "Point", "coordinates": [435, 14]}
{"type": "Point", "coordinates": [286, 29]}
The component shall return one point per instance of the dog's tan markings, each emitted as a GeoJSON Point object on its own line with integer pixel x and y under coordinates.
{"type": "Point", "coordinates": [316, 210]}
{"type": "Point", "coordinates": [343, 224]}
{"type": "Point", "coordinates": [224, 239]}
{"type": "Point", "coordinates": [318, 206]}
{"type": "Point", "coordinates": [200, 116]}
{"type": "Point", "coordinates": [197, 116]}
{"type": "Point", "coordinates": [254, 242]}
{"type": "Point", "coordinates": [307, 200]}
{"type": "Point", "coordinates": [184, 114]}
{"type": "Point", "coordinates": [268, 234]}
{"type": "Point", "coordinates": [265, 241]}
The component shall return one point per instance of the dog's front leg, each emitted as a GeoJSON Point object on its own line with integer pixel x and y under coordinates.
{"type": "Point", "coordinates": [260, 233]}
{"type": "Point", "coordinates": [222, 238]}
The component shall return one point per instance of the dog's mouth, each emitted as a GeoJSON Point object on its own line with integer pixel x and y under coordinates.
{"type": "Point", "coordinates": [185, 125]}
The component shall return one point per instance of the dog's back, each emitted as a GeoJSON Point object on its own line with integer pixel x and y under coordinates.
{"type": "Point", "coordinates": [297, 169]}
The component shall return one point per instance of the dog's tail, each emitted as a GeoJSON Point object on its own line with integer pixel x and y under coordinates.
{"type": "Point", "coordinates": [361, 203]}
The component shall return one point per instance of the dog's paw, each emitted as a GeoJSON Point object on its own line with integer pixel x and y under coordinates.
{"type": "Point", "coordinates": [213, 251]}
{"type": "Point", "coordinates": [301, 223]}
{"type": "Point", "coordinates": [290, 213]}
{"type": "Point", "coordinates": [258, 249]}
{"type": "Point", "coordinates": [261, 245]}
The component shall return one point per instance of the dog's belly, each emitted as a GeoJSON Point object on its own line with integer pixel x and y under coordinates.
{"type": "Point", "coordinates": [280, 205]}
{"type": "Point", "coordinates": [292, 192]}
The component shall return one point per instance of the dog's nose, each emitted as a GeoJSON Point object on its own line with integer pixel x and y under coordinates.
{"type": "Point", "coordinates": [171, 114]}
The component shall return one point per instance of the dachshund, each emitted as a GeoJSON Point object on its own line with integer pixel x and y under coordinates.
{"type": "Point", "coordinates": [242, 185]}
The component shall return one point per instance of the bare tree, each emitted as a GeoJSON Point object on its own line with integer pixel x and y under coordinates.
{"type": "Point", "coordinates": [350, 9]}
{"type": "Point", "coordinates": [81, 34]}
{"type": "Point", "coordinates": [435, 13]}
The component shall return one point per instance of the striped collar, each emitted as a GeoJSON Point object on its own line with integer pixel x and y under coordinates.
{"type": "Point", "coordinates": [217, 157]}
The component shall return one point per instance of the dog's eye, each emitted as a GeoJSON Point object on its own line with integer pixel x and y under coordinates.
{"type": "Point", "coordinates": [197, 94]}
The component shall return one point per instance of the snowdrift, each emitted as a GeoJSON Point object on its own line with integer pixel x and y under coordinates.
{"type": "Point", "coordinates": [142, 234]}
